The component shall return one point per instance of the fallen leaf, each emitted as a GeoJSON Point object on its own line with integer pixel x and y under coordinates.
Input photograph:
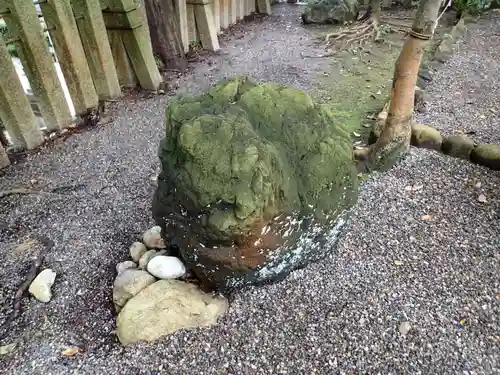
{"type": "Point", "coordinates": [379, 92]}
{"type": "Point", "coordinates": [70, 352]}
{"type": "Point", "coordinates": [356, 134]}
{"type": "Point", "coordinates": [482, 198]}
{"type": "Point", "coordinates": [427, 218]}
{"type": "Point", "coordinates": [482, 117]}
{"type": "Point", "coordinates": [367, 126]}
{"type": "Point", "coordinates": [409, 188]}
{"type": "Point", "coordinates": [398, 262]}
{"type": "Point", "coordinates": [7, 349]}
{"type": "Point", "coordinates": [478, 185]}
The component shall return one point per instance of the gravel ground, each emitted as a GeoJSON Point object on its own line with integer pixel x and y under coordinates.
{"type": "Point", "coordinates": [341, 315]}
{"type": "Point", "coordinates": [467, 98]}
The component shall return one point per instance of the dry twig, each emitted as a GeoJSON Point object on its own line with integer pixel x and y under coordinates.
{"type": "Point", "coordinates": [18, 296]}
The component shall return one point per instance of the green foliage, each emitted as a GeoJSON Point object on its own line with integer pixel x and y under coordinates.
{"type": "Point", "coordinates": [473, 7]}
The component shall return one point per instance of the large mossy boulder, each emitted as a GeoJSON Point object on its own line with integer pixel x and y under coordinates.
{"type": "Point", "coordinates": [256, 181]}
{"type": "Point", "coordinates": [330, 11]}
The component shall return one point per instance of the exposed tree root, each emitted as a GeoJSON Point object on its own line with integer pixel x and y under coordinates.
{"type": "Point", "coordinates": [366, 29]}
{"type": "Point", "coordinates": [57, 190]}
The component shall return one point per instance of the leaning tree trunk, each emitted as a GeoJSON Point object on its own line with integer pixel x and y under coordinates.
{"type": "Point", "coordinates": [395, 137]}
{"type": "Point", "coordinates": [376, 6]}
{"type": "Point", "coordinates": [165, 34]}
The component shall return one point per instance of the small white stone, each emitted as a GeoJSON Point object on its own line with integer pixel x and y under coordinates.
{"type": "Point", "coordinates": [166, 267]}
{"type": "Point", "coordinates": [40, 287]}
{"type": "Point", "coordinates": [137, 250]}
{"type": "Point", "coordinates": [404, 328]}
{"type": "Point", "coordinates": [120, 267]}
{"type": "Point", "coordinates": [152, 238]}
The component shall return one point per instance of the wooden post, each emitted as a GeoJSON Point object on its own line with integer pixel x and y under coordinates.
{"type": "Point", "coordinates": [182, 14]}
{"type": "Point", "coordinates": [60, 20]}
{"type": "Point", "coordinates": [237, 12]}
{"type": "Point", "coordinates": [95, 42]}
{"type": "Point", "coordinates": [216, 6]}
{"type": "Point", "coordinates": [264, 6]}
{"type": "Point", "coordinates": [15, 109]}
{"type": "Point", "coordinates": [233, 18]}
{"type": "Point", "coordinates": [4, 158]}
{"type": "Point", "coordinates": [251, 6]}
{"type": "Point", "coordinates": [24, 26]}
{"type": "Point", "coordinates": [126, 16]}
{"type": "Point", "coordinates": [224, 13]}
{"type": "Point", "coordinates": [205, 23]}
{"type": "Point", "coordinates": [123, 65]}
{"type": "Point", "coordinates": [192, 30]}
{"type": "Point", "coordinates": [242, 9]}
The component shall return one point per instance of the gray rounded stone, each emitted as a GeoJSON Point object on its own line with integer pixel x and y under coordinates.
{"type": "Point", "coordinates": [457, 146]}
{"type": "Point", "coordinates": [137, 250]}
{"type": "Point", "coordinates": [128, 284]}
{"type": "Point", "coordinates": [487, 155]}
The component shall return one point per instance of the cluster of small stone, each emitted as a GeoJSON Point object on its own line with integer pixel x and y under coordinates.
{"type": "Point", "coordinates": [149, 261]}
{"type": "Point", "coordinates": [150, 302]}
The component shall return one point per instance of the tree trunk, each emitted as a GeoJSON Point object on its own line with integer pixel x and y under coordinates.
{"type": "Point", "coordinates": [165, 33]}
{"type": "Point", "coordinates": [376, 10]}
{"type": "Point", "coordinates": [395, 137]}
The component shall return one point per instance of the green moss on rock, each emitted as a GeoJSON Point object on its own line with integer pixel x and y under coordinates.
{"type": "Point", "coordinates": [487, 155]}
{"type": "Point", "coordinates": [236, 158]}
{"type": "Point", "coordinates": [330, 11]}
{"type": "Point", "coordinates": [457, 146]}
{"type": "Point", "coordinates": [425, 136]}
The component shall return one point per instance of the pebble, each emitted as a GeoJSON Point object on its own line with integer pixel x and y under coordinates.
{"type": "Point", "coordinates": [147, 256]}
{"type": "Point", "coordinates": [404, 328]}
{"type": "Point", "coordinates": [152, 238]}
{"type": "Point", "coordinates": [122, 266]}
{"type": "Point", "coordinates": [128, 284]}
{"type": "Point", "coordinates": [166, 267]}
{"type": "Point", "coordinates": [40, 286]}
{"type": "Point", "coordinates": [137, 250]}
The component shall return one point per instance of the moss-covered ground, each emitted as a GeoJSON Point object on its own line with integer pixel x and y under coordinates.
{"type": "Point", "coordinates": [360, 79]}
